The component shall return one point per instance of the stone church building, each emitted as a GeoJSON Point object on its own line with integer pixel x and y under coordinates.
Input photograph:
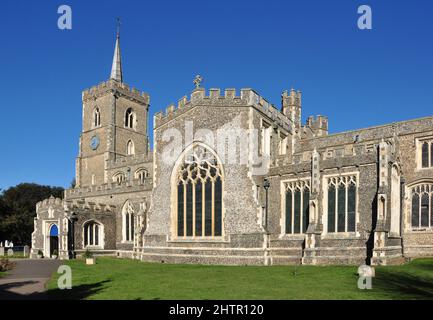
{"type": "Point", "coordinates": [232, 179]}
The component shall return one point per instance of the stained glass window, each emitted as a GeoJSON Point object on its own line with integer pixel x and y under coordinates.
{"type": "Point", "coordinates": [425, 210]}
{"type": "Point", "coordinates": [296, 213]}
{"type": "Point", "coordinates": [201, 215]}
{"type": "Point", "coordinates": [342, 193]}
{"type": "Point", "coordinates": [305, 210]}
{"type": "Point", "coordinates": [289, 211]}
{"type": "Point", "coordinates": [351, 207]}
{"type": "Point", "coordinates": [425, 155]}
{"type": "Point", "coordinates": [331, 208]}
{"type": "Point", "coordinates": [180, 203]}
{"type": "Point", "coordinates": [422, 206]}
{"type": "Point", "coordinates": [415, 210]}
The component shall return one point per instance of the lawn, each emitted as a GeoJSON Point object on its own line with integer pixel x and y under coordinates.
{"type": "Point", "coordinates": [113, 278]}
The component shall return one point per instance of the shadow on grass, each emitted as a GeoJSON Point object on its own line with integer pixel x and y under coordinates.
{"type": "Point", "coordinates": [76, 293]}
{"type": "Point", "coordinates": [405, 285]}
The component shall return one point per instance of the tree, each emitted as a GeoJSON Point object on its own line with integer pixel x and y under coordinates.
{"type": "Point", "coordinates": [18, 209]}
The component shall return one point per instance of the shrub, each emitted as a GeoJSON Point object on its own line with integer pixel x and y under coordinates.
{"type": "Point", "coordinates": [6, 265]}
{"type": "Point", "coordinates": [40, 253]}
{"type": "Point", "coordinates": [87, 254]}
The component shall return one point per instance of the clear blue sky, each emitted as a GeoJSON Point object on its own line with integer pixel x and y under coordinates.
{"type": "Point", "coordinates": [357, 78]}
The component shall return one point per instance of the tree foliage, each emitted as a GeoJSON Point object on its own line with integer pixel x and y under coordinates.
{"type": "Point", "coordinates": [18, 209]}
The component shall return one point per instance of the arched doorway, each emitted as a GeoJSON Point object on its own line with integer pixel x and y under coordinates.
{"type": "Point", "coordinates": [54, 239]}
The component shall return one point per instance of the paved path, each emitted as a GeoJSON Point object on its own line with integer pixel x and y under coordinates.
{"type": "Point", "coordinates": [27, 280]}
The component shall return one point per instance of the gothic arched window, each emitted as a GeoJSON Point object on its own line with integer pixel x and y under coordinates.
{"type": "Point", "coordinates": [129, 118]}
{"type": "Point", "coordinates": [141, 175]}
{"type": "Point", "coordinates": [297, 213]}
{"type": "Point", "coordinates": [93, 234]}
{"type": "Point", "coordinates": [341, 207]}
{"type": "Point", "coordinates": [119, 177]}
{"type": "Point", "coordinates": [96, 118]}
{"type": "Point", "coordinates": [422, 202]}
{"type": "Point", "coordinates": [199, 192]}
{"type": "Point", "coordinates": [130, 148]}
{"type": "Point", "coordinates": [128, 222]}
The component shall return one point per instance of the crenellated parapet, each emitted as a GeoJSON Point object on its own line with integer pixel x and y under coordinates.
{"type": "Point", "coordinates": [88, 206]}
{"type": "Point", "coordinates": [49, 203]}
{"type": "Point", "coordinates": [119, 88]}
{"type": "Point", "coordinates": [217, 98]}
{"type": "Point", "coordinates": [130, 160]}
{"type": "Point", "coordinates": [52, 205]}
{"type": "Point", "coordinates": [315, 127]}
{"type": "Point", "coordinates": [107, 189]}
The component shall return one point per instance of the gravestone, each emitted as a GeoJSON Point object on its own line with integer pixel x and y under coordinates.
{"type": "Point", "coordinates": [26, 251]}
{"type": "Point", "coordinates": [2, 251]}
{"type": "Point", "coordinates": [10, 252]}
{"type": "Point", "coordinates": [6, 244]}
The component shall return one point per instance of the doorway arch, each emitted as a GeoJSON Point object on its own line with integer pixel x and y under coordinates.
{"type": "Point", "coordinates": [54, 239]}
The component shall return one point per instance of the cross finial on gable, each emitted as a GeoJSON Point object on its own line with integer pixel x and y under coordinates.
{"type": "Point", "coordinates": [197, 81]}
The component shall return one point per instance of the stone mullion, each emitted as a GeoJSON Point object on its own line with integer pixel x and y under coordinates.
{"type": "Point", "coordinates": [301, 208]}
{"type": "Point", "coordinates": [203, 206]}
{"type": "Point", "coordinates": [293, 211]}
{"type": "Point", "coordinates": [184, 210]}
{"type": "Point", "coordinates": [336, 207]}
{"type": "Point", "coordinates": [213, 208]}
{"type": "Point", "coordinates": [130, 227]}
{"type": "Point", "coordinates": [346, 215]}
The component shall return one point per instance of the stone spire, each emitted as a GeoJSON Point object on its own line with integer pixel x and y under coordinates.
{"type": "Point", "coordinates": [116, 69]}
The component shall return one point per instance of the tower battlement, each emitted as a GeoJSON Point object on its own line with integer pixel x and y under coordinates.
{"type": "Point", "coordinates": [215, 98]}
{"type": "Point", "coordinates": [119, 87]}
{"type": "Point", "coordinates": [318, 122]}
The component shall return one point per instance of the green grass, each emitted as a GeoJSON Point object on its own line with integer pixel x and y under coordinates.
{"type": "Point", "coordinates": [114, 278]}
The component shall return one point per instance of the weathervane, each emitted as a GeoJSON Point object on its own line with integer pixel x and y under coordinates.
{"type": "Point", "coordinates": [197, 81]}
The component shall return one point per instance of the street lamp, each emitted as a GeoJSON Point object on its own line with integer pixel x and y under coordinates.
{"type": "Point", "coordinates": [73, 218]}
{"type": "Point", "coordinates": [266, 186]}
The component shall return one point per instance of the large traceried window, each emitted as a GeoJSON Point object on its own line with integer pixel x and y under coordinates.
{"type": "Point", "coordinates": [297, 201]}
{"type": "Point", "coordinates": [199, 192]}
{"type": "Point", "coordinates": [128, 222]}
{"type": "Point", "coordinates": [422, 203]}
{"type": "Point", "coordinates": [96, 118]}
{"type": "Point", "coordinates": [129, 118]}
{"type": "Point", "coordinates": [341, 203]}
{"type": "Point", "coordinates": [93, 234]}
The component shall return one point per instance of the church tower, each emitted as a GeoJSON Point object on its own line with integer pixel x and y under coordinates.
{"type": "Point", "coordinates": [115, 120]}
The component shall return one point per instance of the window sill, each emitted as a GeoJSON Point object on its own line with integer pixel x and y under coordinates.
{"type": "Point", "coordinates": [94, 247]}
{"type": "Point", "coordinates": [288, 236]}
{"type": "Point", "coordinates": [424, 169]}
{"type": "Point", "coordinates": [421, 230]}
{"type": "Point", "coordinates": [198, 240]}
{"type": "Point", "coordinates": [341, 236]}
